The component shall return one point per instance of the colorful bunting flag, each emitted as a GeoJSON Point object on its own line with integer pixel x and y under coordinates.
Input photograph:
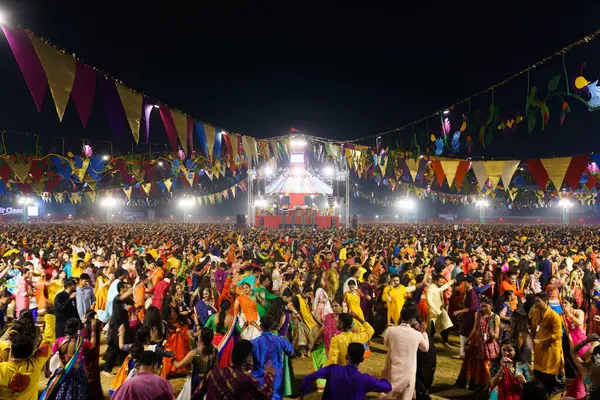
{"type": "Point", "coordinates": [556, 168]}
{"type": "Point", "coordinates": [132, 104]}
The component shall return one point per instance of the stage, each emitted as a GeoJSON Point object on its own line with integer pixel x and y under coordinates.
{"type": "Point", "coordinates": [297, 219]}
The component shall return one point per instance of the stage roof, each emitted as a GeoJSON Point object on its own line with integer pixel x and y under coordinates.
{"type": "Point", "coordinates": [304, 184]}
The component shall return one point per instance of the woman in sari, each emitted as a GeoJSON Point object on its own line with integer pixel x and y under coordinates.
{"type": "Point", "coordinates": [91, 360]}
{"type": "Point", "coordinates": [352, 300]}
{"type": "Point", "coordinates": [508, 373]}
{"type": "Point", "coordinates": [101, 289]}
{"type": "Point", "coordinates": [320, 305]}
{"type": "Point", "coordinates": [204, 308]}
{"type": "Point", "coordinates": [482, 349]}
{"type": "Point", "coordinates": [178, 340]}
{"type": "Point", "coordinates": [56, 285]}
{"type": "Point", "coordinates": [246, 307]}
{"type": "Point", "coordinates": [504, 312]}
{"type": "Point", "coordinates": [224, 325]}
{"type": "Point", "coordinates": [69, 380]}
{"type": "Point", "coordinates": [143, 342]}
{"type": "Point", "coordinates": [203, 358]}
{"type": "Point", "coordinates": [305, 326]}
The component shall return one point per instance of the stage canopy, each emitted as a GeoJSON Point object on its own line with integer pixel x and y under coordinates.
{"type": "Point", "coordinates": [306, 184]}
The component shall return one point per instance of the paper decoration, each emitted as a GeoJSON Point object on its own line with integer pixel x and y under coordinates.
{"type": "Point", "coordinates": [146, 187]}
{"type": "Point", "coordinates": [132, 105]}
{"type": "Point", "coordinates": [180, 122]}
{"type": "Point", "coordinates": [91, 195]}
{"type": "Point", "coordinates": [461, 172]}
{"type": "Point", "coordinates": [147, 113]}
{"type": "Point", "coordinates": [169, 124]}
{"type": "Point", "coordinates": [509, 170]}
{"type": "Point", "coordinates": [446, 126]}
{"type": "Point", "coordinates": [556, 168]}
{"type": "Point", "coordinates": [455, 143]}
{"type": "Point", "coordinates": [538, 172]}
{"type": "Point", "coordinates": [576, 168]}
{"type": "Point", "coordinates": [512, 192]}
{"type": "Point", "coordinates": [210, 133]}
{"type": "Point", "coordinates": [84, 89]}
{"type": "Point", "coordinates": [190, 135]}
{"type": "Point", "coordinates": [127, 192]}
{"type": "Point", "coordinates": [480, 173]}
{"type": "Point", "coordinates": [113, 107]}
{"type": "Point", "coordinates": [168, 183]}
{"type": "Point", "coordinates": [20, 168]}
{"type": "Point", "coordinates": [449, 167]}
{"type": "Point", "coordinates": [439, 171]}
{"type": "Point", "coordinates": [413, 167]}
{"type": "Point", "coordinates": [494, 169]}
{"type": "Point", "coordinates": [28, 62]}
{"type": "Point", "coordinates": [60, 71]}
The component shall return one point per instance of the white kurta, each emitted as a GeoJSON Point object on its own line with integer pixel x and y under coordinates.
{"type": "Point", "coordinates": [400, 367]}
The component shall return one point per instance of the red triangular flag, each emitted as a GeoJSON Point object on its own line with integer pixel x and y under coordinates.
{"type": "Point", "coordinates": [575, 171]}
{"type": "Point", "coordinates": [538, 172]}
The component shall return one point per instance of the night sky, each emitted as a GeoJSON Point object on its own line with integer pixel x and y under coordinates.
{"type": "Point", "coordinates": [337, 72]}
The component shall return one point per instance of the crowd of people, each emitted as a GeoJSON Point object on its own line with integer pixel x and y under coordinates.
{"type": "Point", "coordinates": [234, 308]}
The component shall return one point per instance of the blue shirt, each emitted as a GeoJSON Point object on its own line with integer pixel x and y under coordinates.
{"type": "Point", "coordinates": [345, 382]}
{"type": "Point", "coordinates": [268, 347]}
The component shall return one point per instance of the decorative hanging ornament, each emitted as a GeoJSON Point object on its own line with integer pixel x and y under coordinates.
{"type": "Point", "coordinates": [592, 87]}
{"type": "Point", "coordinates": [593, 168]}
{"type": "Point", "coordinates": [446, 126]}
{"type": "Point", "coordinates": [87, 150]}
{"type": "Point", "coordinates": [439, 147]}
{"type": "Point", "coordinates": [455, 143]}
{"type": "Point", "coordinates": [181, 154]}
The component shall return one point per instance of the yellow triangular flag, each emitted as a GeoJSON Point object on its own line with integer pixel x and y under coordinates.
{"type": "Point", "coordinates": [80, 172]}
{"type": "Point", "coordinates": [74, 199]}
{"type": "Point", "coordinates": [38, 187]}
{"type": "Point", "coordinates": [180, 122]}
{"type": "Point", "coordinates": [127, 193]}
{"type": "Point", "coordinates": [480, 173]}
{"type": "Point", "coordinates": [190, 178]}
{"type": "Point", "coordinates": [168, 183]}
{"type": "Point", "coordinates": [146, 188]}
{"type": "Point", "coordinates": [556, 168]}
{"type": "Point", "coordinates": [21, 169]}
{"type": "Point", "coordinates": [413, 167]}
{"type": "Point", "coordinates": [384, 166]}
{"type": "Point", "coordinates": [60, 197]}
{"type": "Point", "coordinates": [512, 192]}
{"type": "Point", "coordinates": [132, 104]}
{"type": "Point", "coordinates": [210, 133]}
{"type": "Point", "coordinates": [349, 158]}
{"type": "Point", "coordinates": [450, 167]}
{"type": "Point", "coordinates": [509, 170]}
{"type": "Point", "coordinates": [91, 196]}
{"type": "Point", "coordinates": [494, 169]}
{"type": "Point", "coordinates": [60, 71]}
{"type": "Point", "coordinates": [233, 191]}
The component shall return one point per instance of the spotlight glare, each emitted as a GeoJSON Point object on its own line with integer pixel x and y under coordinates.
{"type": "Point", "coordinates": [160, 163]}
{"type": "Point", "coordinates": [186, 202]}
{"type": "Point", "coordinates": [328, 170]}
{"type": "Point", "coordinates": [268, 170]}
{"type": "Point", "coordinates": [446, 112]}
{"type": "Point", "coordinates": [109, 202]}
{"type": "Point", "coordinates": [3, 18]}
{"type": "Point", "coordinates": [105, 157]}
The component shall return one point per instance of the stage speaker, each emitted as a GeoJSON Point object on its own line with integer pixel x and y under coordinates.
{"type": "Point", "coordinates": [354, 222]}
{"type": "Point", "coordinates": [240, 220]}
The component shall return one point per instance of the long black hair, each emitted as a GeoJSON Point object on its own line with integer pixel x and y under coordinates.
{"type": "Point", "coordinates": [276, 309]}
{"type": "Point", "coordinates": [154, 319]}
{"type": "Point", "coordinates": [206, 338]}
{"type": "Point", "coordinates": [142, 337]}
{"type": "Point", "coordinates": [223, 308]}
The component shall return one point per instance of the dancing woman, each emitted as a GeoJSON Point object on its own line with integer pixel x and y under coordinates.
{"type": "Point", "coordinates": [226, 328]}
{"type": "Point", "coordinates": [69, 380]}
{"type": "Point", "coordinates": [203, 358]}
{"type": "Point", "coordinates": [204, 308]}
{"type": "Point", "coordinates": [247, 308]}
{"type": "Point", "coordinates": [282, 317]}
{"type": "Point", "coordinates": [321, 305]}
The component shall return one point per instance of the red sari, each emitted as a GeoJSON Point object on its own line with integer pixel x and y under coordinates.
{"type": "Point", "coordinates": [177, 342]}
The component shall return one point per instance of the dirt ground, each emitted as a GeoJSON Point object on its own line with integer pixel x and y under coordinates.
{"type": "Point", "coordinates": [445, 376]}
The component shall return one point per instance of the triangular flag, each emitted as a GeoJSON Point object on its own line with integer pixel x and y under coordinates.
{"type": "Point", "coordinates": [190, 177]}
{"type": "Point", "coordinates": [146, 187]}
{"type": "Point", "coordinates": [60, 71]}
{"type": "Point", "coordinates": [132, 104]}
{"type": "Point", "coordinates": [233, 191]}
{"type": "Point", "coordinates": [413, 167]}
{"type": "Point", "coordinates": [439, 171]}
{"type": "Point", "coordinates": [83, 91]}
{"type": "Point", "coordinates": [60, 197]}
{"type": "Point", "coordinates": [512, 192]}
{"type": "Point", "coordinates": [507, 173]}
{"type": "Point", "coordinates": [38, 187]}
{"type": "Point", "coordinates": [180, 122]}
{"type": "Point", "coordinates": [80, 172]}
{"type": "Point", "coordinates": [461, 172]}
{"type": "Point", "coordinates": [127, 192]}
{"type": "Point", "coordinates": [494, 169]}
{"type": "Point", "coordinates": [210, 132]}
{"type": "Point", "coordinates": [576, 168]}
{"type": "Point", "coordinates": [538, 172]}
{"type": "Point", "coordinates": [556, 168]}
{"type": "Point", "coordinates": [480, 173]}
{"type": "Point", "coordinates": [450, 167]}
{"type": "Point", "coordinates": [168, 183]}
{"type": "Point", "coordinates": [91, 196]}
{"type": "Point", "coordinates": [167, 118]}
{"type": "Point", "coordinates": [592, 180]}
{"type": "Point", "coordinates": [21, 169]}
{"type": "Point", "coordinates": [383, 167]}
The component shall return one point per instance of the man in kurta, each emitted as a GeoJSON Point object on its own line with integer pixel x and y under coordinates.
{"type": "Point", "coordinates": [437, 307]}
{"type": "Point", "coordinates": [268, 350]}
{"type": "Point", "coordinates": [338, 348]}
{"type": "Point", "coordinates": [546, 328]}
{"type": "Point", "coordinates": [395, 295]}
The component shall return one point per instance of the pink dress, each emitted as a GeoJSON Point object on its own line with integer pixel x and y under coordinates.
{"type": "Point", "coordinates": [21, 298]}
{"type": "Point", "coordinates": [329, 330]}
{"type": "Point", "coordinates": [577, 335]}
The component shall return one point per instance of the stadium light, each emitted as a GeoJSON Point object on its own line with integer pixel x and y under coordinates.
{"type": "Point", "coordinates": [105, 157]}
{"type": "Point", "coordinates": [109, 202]}
{"type": "Point", "coordinates": [298, 143]}
{"type": "Point", "coordinates": [406, 204]}
{"type": "Point", "coordinates": [268, 170]}
{"type": "Point", "coordinates": [3, 18]}
{"type": "Point", "coordinates": [328, 170]}
{"type": "Point", "coordinates": [565, 205]}
{"type": "Point", "coordinates": [26, 200]}
{"type": "Point", "coordinates": [186, 202]}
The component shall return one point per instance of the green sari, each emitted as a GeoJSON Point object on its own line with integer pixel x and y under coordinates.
{"type": "Point", "coordinates": [263, 294]}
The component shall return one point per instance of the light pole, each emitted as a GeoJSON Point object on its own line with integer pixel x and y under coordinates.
{"type": "Point", "coordinates": [565, 205]}
{"type": "Point", "coordinates": [25, 202]}
{"type": "Point", "coordinates": [186, 203]}
{"type": "Point", "coordinates": [109, 203]}
{"type": "Point", "coordinates": [482, 204]}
